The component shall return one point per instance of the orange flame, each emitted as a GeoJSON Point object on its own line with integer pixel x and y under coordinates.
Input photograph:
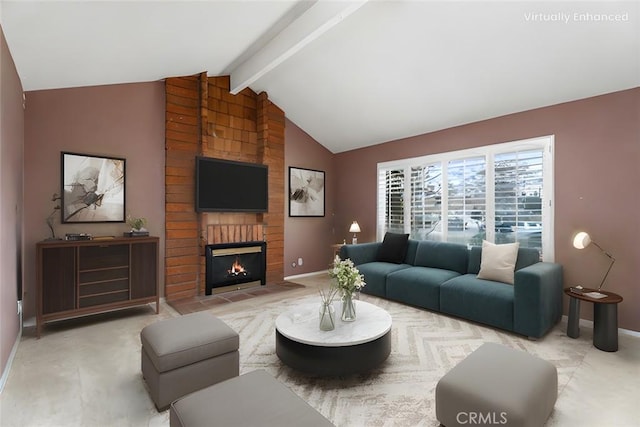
{"type": "Point", "coordinates": [236, 267]}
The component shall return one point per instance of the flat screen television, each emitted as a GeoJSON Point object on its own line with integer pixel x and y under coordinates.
{"type": "Point", "coordinates": [230, 186]}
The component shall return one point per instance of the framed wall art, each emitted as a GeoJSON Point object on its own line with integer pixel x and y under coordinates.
{"type": "Point", "coordinates": [93, 188]}
{"type": "Point", "coordinates": [306, 192]}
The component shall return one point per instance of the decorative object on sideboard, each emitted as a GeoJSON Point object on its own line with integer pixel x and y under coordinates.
{"type": "Point", "coordinates": [78, 236]}
{"type": "Point", "coordinates": [93, 188]}
{"type": "Point", "coordinates": [50, 218]}
{"type": "Point", "coordinates": [582, 240]}
{"type": "Point", "coordinates": [355, 228]}
{"type": "Point", "coordinates": [306, 192]}
{"type": "Point", "coordinates": [137, 225]}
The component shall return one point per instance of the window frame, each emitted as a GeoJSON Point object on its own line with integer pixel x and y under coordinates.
{"type": "Point", "coordinates": [489, 152]}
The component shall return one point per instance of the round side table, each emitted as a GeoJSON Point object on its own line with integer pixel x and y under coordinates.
{"type": "Point", "coordinates": [605, 317]}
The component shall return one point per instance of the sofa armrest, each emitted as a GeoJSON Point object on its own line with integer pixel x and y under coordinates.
{"type": "Point", "coordinates": [537, 305]}
{"type": "Point", "coordinates": [360, 253]}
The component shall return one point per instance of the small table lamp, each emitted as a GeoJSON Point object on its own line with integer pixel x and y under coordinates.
{"type": "Point", "coordinates": [355, 228]}
{"type": "Point", "coordinates": [582, 240]}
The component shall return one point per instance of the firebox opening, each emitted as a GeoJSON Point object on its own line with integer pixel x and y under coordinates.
{"type": "Point", "coordinates": [232, 266]}
{"type": "Point", "coordinates": [237, 269]}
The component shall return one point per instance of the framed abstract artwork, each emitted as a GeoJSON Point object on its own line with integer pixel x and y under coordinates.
{"type": "Point", "coordinates": [306, 192]}
{"type": "Point", "coordinates": [93, 188]}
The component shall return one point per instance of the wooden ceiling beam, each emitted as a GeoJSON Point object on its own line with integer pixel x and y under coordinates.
{"type": "Point", "coordinates": [313, 23]}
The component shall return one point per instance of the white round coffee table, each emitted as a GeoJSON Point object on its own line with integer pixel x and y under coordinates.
{"type": "Point", "coordinates": [352, 347]}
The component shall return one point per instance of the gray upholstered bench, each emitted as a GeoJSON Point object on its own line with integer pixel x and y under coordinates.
{"type": "Point", "coordinates": [187, 353]}
{"type": "Point", "coordinates": [497, 385]}
{"type": "Point", "coordinates": [252, 399]}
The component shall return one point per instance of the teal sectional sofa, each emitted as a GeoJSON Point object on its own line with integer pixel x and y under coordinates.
{"type": "Point", "coordinates": [442, 277]}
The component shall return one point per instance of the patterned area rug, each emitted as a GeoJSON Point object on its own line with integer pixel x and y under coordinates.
{"type": "Point", "coordinates": [401, 392]}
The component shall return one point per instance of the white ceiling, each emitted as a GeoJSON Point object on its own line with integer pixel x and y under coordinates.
{"type": "Point", "coordinates": [349, 73]}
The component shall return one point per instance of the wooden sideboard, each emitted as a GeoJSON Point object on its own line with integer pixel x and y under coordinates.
{"type": "Point", "coordinates": [77, 278]}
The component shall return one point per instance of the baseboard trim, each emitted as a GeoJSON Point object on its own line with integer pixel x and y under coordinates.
{"type": "Point", "coordinates": [300, 276]}
{"type": "Point", "coordinates": [589, 324]}
{"type": "Point", "coordinates": [7, 368]}
{"type": "Point", "coordinates": [629, 332]}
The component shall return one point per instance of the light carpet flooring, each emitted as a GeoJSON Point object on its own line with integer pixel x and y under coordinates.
{"type": "Point", "coordinates": [86, 372]}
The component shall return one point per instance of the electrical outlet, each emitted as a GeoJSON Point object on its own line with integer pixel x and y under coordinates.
{"type": "Point", "coordinates": [299, 261]}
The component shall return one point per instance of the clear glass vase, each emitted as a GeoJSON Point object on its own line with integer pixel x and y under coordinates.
{"type": "Point", "coordinates": [348, 308]}
{"type": "Point", "coordinates": [327, 315]}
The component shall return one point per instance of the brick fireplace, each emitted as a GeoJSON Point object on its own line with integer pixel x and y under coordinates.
{"type": "Point", "coordinates": [203, 118]}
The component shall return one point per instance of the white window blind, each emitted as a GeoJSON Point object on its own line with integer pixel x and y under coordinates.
{"type": "Point", "coordinates": [466, 185]}
{"type": "Point", "coordinates": [391, 200]}
{"type": "Point", "coordinates": [502, 193]}
{"type": "Point", "coordinates": [426, 198]}
{"type": "Point", "coordinates": [519, 186]}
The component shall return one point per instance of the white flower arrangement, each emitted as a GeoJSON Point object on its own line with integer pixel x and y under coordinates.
{"type": "Point", "coordinates": [347, 278]}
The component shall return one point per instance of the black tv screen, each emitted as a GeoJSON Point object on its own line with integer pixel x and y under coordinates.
{"type": "Point", "coordinates": [229, 186]}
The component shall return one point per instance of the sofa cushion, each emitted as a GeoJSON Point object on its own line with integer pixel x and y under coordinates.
{"type": "Point", "coordinates": [498, 261]}
{"type": "Point", "coordinates": [448, 256]}
{"type": "Point", "coordinates": [375, 276]}
{"type": "Point", "coordinates": [393, 248]}
{"type": "Point", "coordinates": [419, 286]}
{"type": "Point", "coordinates": [482, 301]}
{"type": "Point", "coordinates": [412, 247]}
{"type": "Point", "coordinates": [360, 253]}
{"type": "Point", "coordinates": [526, 257]}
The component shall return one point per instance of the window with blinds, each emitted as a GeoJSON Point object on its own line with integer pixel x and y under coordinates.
{"type": "Point", "coordinates": [501, 193]}
{"type": "Point", "coordinates": [466, 187]}
{"type": "Point", "coordinates": [519, 186]}
{"type": "Point", "coordinates": [425, 200]}
{"type": "Point", "coordinates": [391, 200]}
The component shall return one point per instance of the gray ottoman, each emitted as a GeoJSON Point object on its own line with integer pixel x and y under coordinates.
{"type": "Point", "coordinates": [185, 354]}
{"type": "Point", "coordinates": [253, 399]}
{"type": "Point", "coordinates": [497, 385]}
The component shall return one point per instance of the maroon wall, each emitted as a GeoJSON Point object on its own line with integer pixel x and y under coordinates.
{"type": "Point", "coordinates": [11, 202]}
{"type": "Point", "coordinates": [597, 153]}
{"type": "Point", "coordinates": [309, 238]}
{"type": "Point", "coordinates": [117, 120]}
{"type": "Point", "coordinates": [596, 145]}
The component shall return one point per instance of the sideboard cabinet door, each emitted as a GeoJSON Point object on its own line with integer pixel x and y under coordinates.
{"type": "Point", "coordinates": [144, 270]}
{"type": "Point", "coordinates": [59, 279]}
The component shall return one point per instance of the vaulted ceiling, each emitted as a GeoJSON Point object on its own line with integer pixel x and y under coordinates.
{"type": "Point", "coordinates": [349, 73]}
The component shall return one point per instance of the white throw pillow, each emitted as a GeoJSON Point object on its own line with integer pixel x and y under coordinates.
{"type": "Point", "coordinates": [498, 262]}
